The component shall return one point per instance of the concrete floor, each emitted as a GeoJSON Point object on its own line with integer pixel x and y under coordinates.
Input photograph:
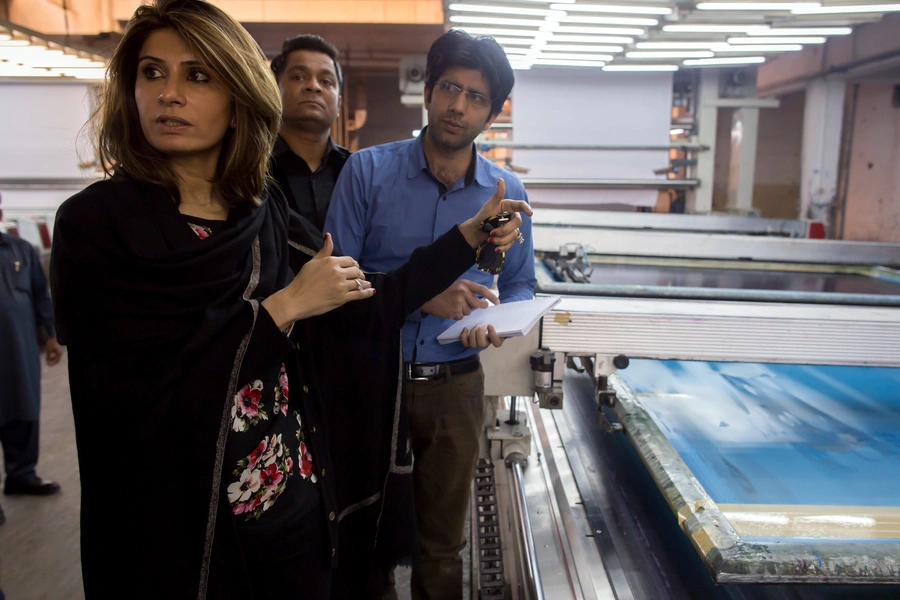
{"type": "Point", "coordinates": [39, 544]}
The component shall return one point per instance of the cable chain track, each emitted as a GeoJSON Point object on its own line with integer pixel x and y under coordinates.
{"type": "Point", "coordinates": [490, 551]}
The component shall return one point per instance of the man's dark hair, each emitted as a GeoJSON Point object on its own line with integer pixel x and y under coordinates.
{"type": "Point", "coordinates": [307, 41]}
{"type": "Point", "coordinates": [457, 48]}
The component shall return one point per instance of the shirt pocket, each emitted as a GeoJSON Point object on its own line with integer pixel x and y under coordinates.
{"type": "Point", "coordinates": [21, 278]}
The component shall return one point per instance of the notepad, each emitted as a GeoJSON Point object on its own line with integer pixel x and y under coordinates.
{"type": "Point", "coordinates": [510, 319]}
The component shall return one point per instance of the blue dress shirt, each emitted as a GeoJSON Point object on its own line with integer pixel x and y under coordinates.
{"type": "Point", "coordinates": [387, 203]}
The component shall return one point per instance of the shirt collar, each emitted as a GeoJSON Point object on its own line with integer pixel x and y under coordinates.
{"type": "Point", "coordinates": [417, 163]}
{"type": "Point", "coordinates": [282, 147]}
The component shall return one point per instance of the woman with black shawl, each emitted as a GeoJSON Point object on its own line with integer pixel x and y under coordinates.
{"type": "Point", "coordinates": [239, 428]}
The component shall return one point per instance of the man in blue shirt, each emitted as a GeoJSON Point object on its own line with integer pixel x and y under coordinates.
{"type": "Point", "coordinates": [393, 198]}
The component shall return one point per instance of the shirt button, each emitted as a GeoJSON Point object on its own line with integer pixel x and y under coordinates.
{"type": "Point", "coordinates": [323, 472]}
{"type": "Point", "coordinates": [333, 551]}
{"type": "Point", "coordinates": [331, 516]}
{"type": "Point", "coordinates": [421, 342]}
{"type": "Point", "coordinates": [305, 390]}
{"type": "Point", "coordinates": [313, 428]}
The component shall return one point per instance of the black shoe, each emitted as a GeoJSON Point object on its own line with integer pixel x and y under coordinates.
{"type": "Point", "coordinates": [31, 487]}
{"type": "Point", "coordinates": [2, 518]}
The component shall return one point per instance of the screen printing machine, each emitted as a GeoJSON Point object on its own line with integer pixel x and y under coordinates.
{"type": "Point", "coordinates": [711, 411]}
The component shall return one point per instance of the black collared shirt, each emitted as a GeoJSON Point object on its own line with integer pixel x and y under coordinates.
{"type": "Point", "coordinates": [308, 193]}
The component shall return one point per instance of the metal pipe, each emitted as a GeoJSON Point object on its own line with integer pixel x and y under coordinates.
{"type": "Point", "coordinates": [720, 294]}
{"type": "Point", "coordinates": [523, 146]}
{"type": "Point", "coordinates": [612, 184]}
{"type": "Point", "coordinates": [46, 183]}
{"type": "Point", "coordinates": [517, 461]}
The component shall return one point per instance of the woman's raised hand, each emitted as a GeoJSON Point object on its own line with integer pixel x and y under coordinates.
{"type": "Point", "coordinates": [323, 284]}
{"type": "Point", "coordinates": [502, 237]}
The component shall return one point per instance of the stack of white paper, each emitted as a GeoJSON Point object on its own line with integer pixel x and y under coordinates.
{"type": "Point", "coordinates": [509, 320]}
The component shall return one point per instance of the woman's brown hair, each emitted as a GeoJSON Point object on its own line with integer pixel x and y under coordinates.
{"type": "Point", "coordinates": [228, 50]}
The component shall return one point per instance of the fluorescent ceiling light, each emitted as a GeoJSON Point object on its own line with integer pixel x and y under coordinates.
{"type": "Point", "coordinates": [14, 43]}
{"type": "Point", "coordinates": [517, 50]}
{"type": "Point", "coordinates": [759, 48]}
{"type": "Point", "coordinates": [496, 31]}
{"type": "Point", "coordinates": [592, 20]}
{"type": "Point", "coordinates": [636, 68]}
{"type": "Point", "coordinates": [514, 41]}
{"type": "Point", "coordinates": [496, 21]}
{"type": "Point", "coordinates": [565, 56]}
{"type": "Point", "coordinates": [670, 54]}
{"type": "Point", "coordinates": [677, 45]}
{"type": "Point", "coordinates": [504, 10]}
{"type": "Point", "coordinates": [597, 30]}
{"type": "Point", "coordinates": [711, 28]}
{"type": "Point", "coordinates": [757, 6]}
{"type": "Point", "coordinates": [749, 41]}
{"type": "Point", "coordinates": [574, 48]}
{"type": "Point", "coordinates": [731, 60]}
{"type": "Point", "coordinates": [847, 9]}
{"type": "Point", "coordinates": [5, 37]}
{"type": "Point", "coordinates": [676, 131]}
{"type": "Point", "coordinates": [590, 39]}
{"type": "Point", "coordinates": [520, 66]}
{"type": "Point", "coordinates": [569, 63]}
{"type": "Point", "coordinates": [619, 9]}
{"type": "Point", "coordinates": [789, 31]}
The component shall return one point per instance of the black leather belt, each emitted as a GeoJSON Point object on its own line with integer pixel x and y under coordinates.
{"type": "Point", "coordinates": [431, 371]}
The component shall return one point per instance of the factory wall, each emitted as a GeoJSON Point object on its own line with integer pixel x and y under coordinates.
{"type": "Point", "coordinates": [776, 183]}
{"type": "Point", "coordinates": [387, 119]}
{"type": "Point", "coordinates": [872, 208]}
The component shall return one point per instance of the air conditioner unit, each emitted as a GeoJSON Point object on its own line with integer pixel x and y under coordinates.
{"type": "Point", "coordinates": [412, 80]}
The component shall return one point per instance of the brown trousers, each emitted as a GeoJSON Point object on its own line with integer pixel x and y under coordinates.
{"type": "Point", "coordinates": [446, 419]}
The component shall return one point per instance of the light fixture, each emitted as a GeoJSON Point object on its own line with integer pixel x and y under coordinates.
{"type": "Point", "coordinates": [757, 6]}
{"type": "Point", "coordinates": [749, 41]}
{"type": "Point", "coordinates": [568, 63]}
{"type": "Point", "coordinates": [677, 131]}
{"type": "Point", "coordinates": [496, 21]}
{"type": "Point", "coordinates": [711, 28]}
{"type": "Point", "coordinates": [790, 31]}
{"type": "Point", "coordinates": [514, 41]}
{"type": "Point", "coordinates": [731, 60]}
{"type": "Point", "coordinates": [670, 54]}
{"type": "Point", "coordinates": [496, 31]}
{"type": "Point", "coordinates": [504, 10]}
{"type": "Point", "coordinates": [24, 55]}
{"type": "Point", "coordinates": [517, 50]}
{"type": "Point", "coordinates": [590, 39]}
{"type": "Point", "coordinates": [759, 48]}
{"type": "Point", "coordinates": [596, 20]}
{"type": "Point", "coordinates": [847, 9]}
{"type": "Point", "coordinates": [622, 9]}
{"type": "Point", "coordinates": [564, 56]}
{"type": "Point", "coordinates": [639, 68]}
{"type": "Point", "coordinates": [677, 45]}
{"type": "Point", "coordinates": [598, 30]}
{"type": "Point", "coordinates": [575, 48]}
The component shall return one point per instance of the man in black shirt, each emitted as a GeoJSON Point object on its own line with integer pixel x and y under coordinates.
{"type": "Point", "coordinates": [306, 162]}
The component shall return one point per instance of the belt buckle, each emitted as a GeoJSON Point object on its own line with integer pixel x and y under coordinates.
{"type": "Point", "coordinates": [411, 377]}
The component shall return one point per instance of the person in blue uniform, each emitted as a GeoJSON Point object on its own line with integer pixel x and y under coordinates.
{"type": "Point", "coordinates": [24, 305]}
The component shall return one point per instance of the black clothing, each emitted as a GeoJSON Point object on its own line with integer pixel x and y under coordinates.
{"type": "Point", "coordinates": [163, 328]}
{"type": "Point", "coordinates": [308, 193]}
